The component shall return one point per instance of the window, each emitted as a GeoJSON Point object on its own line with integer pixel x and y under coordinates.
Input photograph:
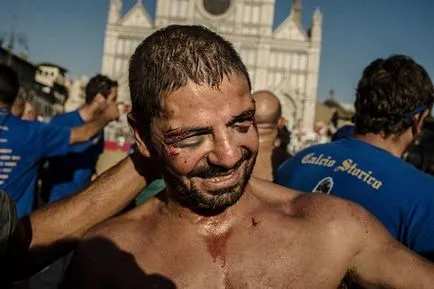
{"type": "Point", "coordinates": [216, 7]}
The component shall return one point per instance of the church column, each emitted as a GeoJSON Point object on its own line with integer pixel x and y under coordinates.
{"type": "Point", "coordinates": [262, 63]}
{"type": "Point", "coordinates": [162, 13]}
{"type": "Point", "coordinates": [267, 17]}
{"type": "Point", "coordinates": [312, 72]}
{"type": "Point", "coordinates": [109, 53]}
{"type": "Point", "coordinates": [113, 18]}
{"type": "Point", "coordinates": [115, 12]}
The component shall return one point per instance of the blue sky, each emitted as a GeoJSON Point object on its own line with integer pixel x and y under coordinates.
{"type": "Point", "coordinates": [71, 34]}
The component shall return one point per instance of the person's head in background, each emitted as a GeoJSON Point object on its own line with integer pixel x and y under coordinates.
{"type": "Point", "coordinates": [9, 86]}
{"type": "Point", "coordinates": [394, 97]}
{"type": "Point", "coordinates": [30, 112]}
{"type": "Point", "coordinates": [269, 121]}
{"type": "Point", "coordinates": [268, 117]}
{"type": "Point", "coordinates": [18, 107]}
{"type": "Point", "coordinates": [344, 132]}
{"type": "Point", "coordinates": [98, 90]}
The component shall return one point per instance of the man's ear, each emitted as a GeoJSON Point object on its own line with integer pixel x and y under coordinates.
{"type": "Point", "coordinates": [141, 143]}
{"type": "Point", "coordinates": [281, 122]}
{"type": "Point", "coordinates": [420, 119]}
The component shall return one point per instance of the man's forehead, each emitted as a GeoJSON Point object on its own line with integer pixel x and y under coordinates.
{"type": "Point", "coordinates": [198, 114]}
{"type": "Point", "coordinates": [198, 98]}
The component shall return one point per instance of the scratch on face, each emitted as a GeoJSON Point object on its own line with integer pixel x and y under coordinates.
{"type": "Point", "coordinates": [254, 222]}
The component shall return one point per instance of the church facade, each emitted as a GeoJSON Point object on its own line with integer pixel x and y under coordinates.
{"type": "Point", "coordinates": [284, 60]}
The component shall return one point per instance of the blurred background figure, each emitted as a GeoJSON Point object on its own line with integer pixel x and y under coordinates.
{"type": "Point", "coordinates": [67, 175]}
{"type": "Point", "coordinates": [270, 123]}
{"type": "Point", "coordinates": [343, 132]}
{"type": "Point", "coordinates": [18, 107]}
{"type": "Point", "coordinates": [30, 112]}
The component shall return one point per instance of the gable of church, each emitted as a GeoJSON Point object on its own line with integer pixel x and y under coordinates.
{"type": "Point", "coordinates": [290, 30]}
{"type": "Point", "coordinates": [137, 17]}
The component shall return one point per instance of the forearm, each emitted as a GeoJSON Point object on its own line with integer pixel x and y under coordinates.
{"type": "Point", "coordinates": [50, 232]}
{"type": "Point", "coordinates": [87, 131]}
{"type": "Point", "coordinates": [104, 197]}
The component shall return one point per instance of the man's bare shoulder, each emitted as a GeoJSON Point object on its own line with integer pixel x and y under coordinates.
{"type": "Point", "coordinates": [120, 229]}
{"type": "Point", "coordinates": [323, 211]}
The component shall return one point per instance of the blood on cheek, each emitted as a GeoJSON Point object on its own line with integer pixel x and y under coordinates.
{"type": "Point", "coordinates": [171, 151]}
{"type": "Point", "coordinates": [175, 156]}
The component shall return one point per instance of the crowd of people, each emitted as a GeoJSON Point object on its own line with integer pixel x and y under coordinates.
{"type": "Point", "coordinates": [209, 196]}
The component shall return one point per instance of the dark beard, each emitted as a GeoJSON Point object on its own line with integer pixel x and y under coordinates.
{"type": "Point", "coordinates": [203, 203]}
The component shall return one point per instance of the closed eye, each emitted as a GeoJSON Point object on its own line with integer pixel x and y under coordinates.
{"type": "Point", "coordinates": [243, 126]}
{"type": "Point", "coordinates": [190, 141]}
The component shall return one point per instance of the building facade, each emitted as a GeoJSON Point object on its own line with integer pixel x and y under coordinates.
{"type": "Point", "coordinates": [284, 60]}
{"type": "Point", "coordinates": [51, 80]}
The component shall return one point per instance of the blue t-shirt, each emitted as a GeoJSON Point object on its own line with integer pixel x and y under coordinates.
{"type": "Point", "coordinates": [398, 194]}
{"type": "Point", "coordinates": [69, 174]}
{"type": "Point", "coordinates": [23, 144]}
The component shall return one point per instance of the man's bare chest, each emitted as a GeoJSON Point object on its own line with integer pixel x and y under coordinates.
{"type": "Point", "coordinates": [219, 263]}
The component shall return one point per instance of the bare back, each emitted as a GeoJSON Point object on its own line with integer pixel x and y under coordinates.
{"type": "Point", "coordinates": [276, 238]}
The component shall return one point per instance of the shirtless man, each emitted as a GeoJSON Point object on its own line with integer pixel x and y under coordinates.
{"type": "Point", "coordinates": [215, 227]}
{"type": "Point", "coordinates": [269, 121]}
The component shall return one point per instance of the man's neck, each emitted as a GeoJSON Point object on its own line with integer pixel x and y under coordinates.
{"type": "Point", "coordinates": [207, 222]}
{"type": "Point", "coordinates": [394, 145]}
{"type": "Point", "coordinates": [86, 113]}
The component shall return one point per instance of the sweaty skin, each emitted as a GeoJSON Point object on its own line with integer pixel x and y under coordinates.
{"type": "Point", "coordinates": [271, 237]}
{"type": "Point", "coordinates": [282, 239]}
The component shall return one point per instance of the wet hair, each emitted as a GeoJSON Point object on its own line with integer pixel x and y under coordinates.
{"type": "Point", "coordinates": [99, 84]}
{"type": "Point", "coordinates": [390, 92]}
{"type": "Point", "coordinates": [9, 85]}
{"type": "Point", "coordinates": [169, 58]}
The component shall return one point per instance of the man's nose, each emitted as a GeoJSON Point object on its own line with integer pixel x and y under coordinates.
{"type": "Point", "coordinates": [225, 153]}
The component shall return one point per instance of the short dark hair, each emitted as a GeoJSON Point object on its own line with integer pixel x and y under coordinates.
{"type": "Point", "coordinates": [9, 84]}
{"type": "Point", "coordinates": [169, 58]}
{"type": "Point", "coordinates": [390, 92]}
{"type": "Point", "coordinates": [99, 84]}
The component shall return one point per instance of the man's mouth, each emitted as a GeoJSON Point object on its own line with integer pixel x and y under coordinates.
{"type": "Point", "coordinates": [222, 182]}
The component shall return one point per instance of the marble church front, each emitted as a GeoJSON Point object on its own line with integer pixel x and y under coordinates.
{"type": "Point", "coordinates": [284, 60]}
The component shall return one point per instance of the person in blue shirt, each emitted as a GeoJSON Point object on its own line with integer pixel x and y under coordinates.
{"type": "Point", "coordinates": [23, 144]}
{"type": "Point", "coordinates": [394, 96]}
{"type": "Point", "coordinates": [343, 132]}
{"type": "Point", "coordinates": [69, 174]}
